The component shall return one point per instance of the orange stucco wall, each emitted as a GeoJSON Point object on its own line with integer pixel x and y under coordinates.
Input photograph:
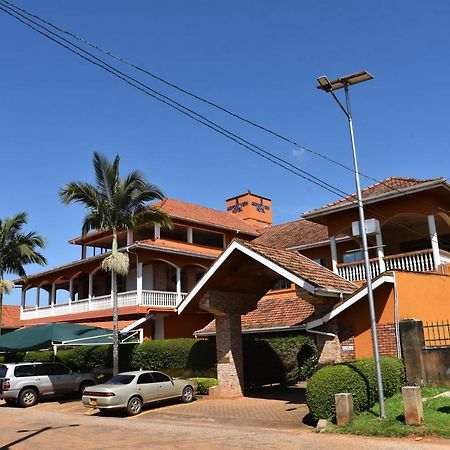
{"type": "Point", "coordinates": [176, 326]}
{"type": "Point", "coordinates": [357, 317]}
{"type": "Point", "coordinates": [423, 296]}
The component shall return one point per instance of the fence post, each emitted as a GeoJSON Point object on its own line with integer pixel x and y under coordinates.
{"type": "Point", "coordinates": [412, 405]}
{"type": "Point", "coordinates": [412, 341]}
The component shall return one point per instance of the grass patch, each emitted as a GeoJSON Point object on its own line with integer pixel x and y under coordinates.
{"type": "Point", "coordinates": [436, 413]}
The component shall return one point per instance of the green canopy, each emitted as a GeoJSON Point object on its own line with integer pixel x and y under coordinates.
{"type": "Point", "coordinates": [46, 336]}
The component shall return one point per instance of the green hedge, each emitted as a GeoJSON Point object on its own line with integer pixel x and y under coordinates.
{"type": "Point", "coordinates": [357, 377]}
{"type": "Point", "coordinates": [285, 359]}
{"type": "Point", "coordinates": [203, 384]}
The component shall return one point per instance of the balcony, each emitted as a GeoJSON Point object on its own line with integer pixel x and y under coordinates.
{"type": "Point", "coordinates": [153, 299]}
{"type": "Point", "coordinates": [420, 261]}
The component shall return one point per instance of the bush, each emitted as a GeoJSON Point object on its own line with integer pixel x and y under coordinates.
{"type": "Point", "coordinates": [203, 384]}
{"type": "Point", "coordinates": [284, 359]}
{"type": "Point", "coordinates": [357, 377]}
{"type": "Point", "coordinates": [175, 356]}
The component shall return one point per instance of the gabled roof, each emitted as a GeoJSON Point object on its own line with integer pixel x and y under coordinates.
{"type": "Point", "coordinates": [274, 312]}
{"type": "Point", "coordinates": [304, 268]}
{"type": "Point", "coordinates": [293, 234]}
{"type": "Point", "coordinates": [390, 187]}
{"type": "Point", "coordinates": [202, 215]}
{"type": "Point", "coordinates": [256, 266]}
{"type": "Point", "coordinates": [10, 316]}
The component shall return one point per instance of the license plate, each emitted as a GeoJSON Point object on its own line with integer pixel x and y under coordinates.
{"type": "Point", "coordinates": [93, 402]}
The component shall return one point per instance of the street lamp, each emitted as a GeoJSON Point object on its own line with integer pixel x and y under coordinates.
{"type": "Point", "coordinates": [331, 86]}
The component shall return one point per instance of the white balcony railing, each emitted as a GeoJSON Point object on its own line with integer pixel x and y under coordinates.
{"type": "Point", "coordinates": [421, 261]}
{"type": "Point", "coordinates": [155, 299]}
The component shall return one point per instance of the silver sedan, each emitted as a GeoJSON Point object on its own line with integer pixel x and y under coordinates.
{"type": "Point", "coordinates": [131, 390]}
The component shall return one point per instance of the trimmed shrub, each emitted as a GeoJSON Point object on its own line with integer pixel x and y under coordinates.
{"type": "Point", "coordinates": [285, 359]}
{"type": "Point", "coordinates": [357, 377]}
{"type": "Point", "coordinates": [37, 356]}
{"type": "Point", "coordinates": [175, 356]}
{"type": "Point", "coordinates": [203, 384]}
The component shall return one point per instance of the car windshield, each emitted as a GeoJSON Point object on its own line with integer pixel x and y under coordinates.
{"type": "Point", "coordinates": [121, 379]}
{"type": "Point", "coordinates": [3, 370]}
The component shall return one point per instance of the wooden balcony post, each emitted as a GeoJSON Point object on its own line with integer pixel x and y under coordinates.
{"type": "Point", "coordinates": [333, 254]}
{"type": "Point", "coordinates": [434, 241]}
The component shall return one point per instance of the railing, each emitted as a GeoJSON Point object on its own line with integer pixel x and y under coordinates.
{"type": "Point", "coordinates": [436, 334]}
{"type": "Point", "coordinates": [156, 299]}
{"type": "Point", "coordinates": [420, 261]}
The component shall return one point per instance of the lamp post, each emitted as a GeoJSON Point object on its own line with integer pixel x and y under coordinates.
{"type": "Point", "coordinates": [329, 87]}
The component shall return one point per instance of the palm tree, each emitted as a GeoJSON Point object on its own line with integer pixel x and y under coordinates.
{"type": "Point", "coordinates": [115, 204]}
{"type": "Point", "coordinates": [16, 250]}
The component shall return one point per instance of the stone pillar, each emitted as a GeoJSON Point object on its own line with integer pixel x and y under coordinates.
{"type": "Point", "coordinates": [434, 241]}
{"type": "Point", "coordinates": [412, 405]}
{"type": "Point", "coordinates": [333, 248]}
{"type": "Point", "coordinates": [230, 363]}
{"type": "Point", "coordinates": [412, 341]}
{"type": "Point", "coordinates": [227, 308]}
{"type": "Point", "coordinates": [344, 408]}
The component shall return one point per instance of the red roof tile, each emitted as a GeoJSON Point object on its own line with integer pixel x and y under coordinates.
{"type": "Point", "coordinates": [293, 234]}
{"type": "Point", "coordinates": [273, 311]}
{"type": "Point", "coordinates": [303, 267]}
{"type": "Point", "coordinates": [10, 316]}
{"type": "Point", "coordinates": [390, 185]}
{"type": "Point", "coordinates": [207, 216]}
{"type": "Point", "coordinates": [182, 247]}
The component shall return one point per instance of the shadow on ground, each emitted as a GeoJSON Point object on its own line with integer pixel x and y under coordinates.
{"type": "Point", "coordinates": [290, 394]}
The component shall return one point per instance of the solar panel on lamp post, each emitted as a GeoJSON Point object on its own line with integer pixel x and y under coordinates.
{"type": "Point", "coordinates": [329, 87]}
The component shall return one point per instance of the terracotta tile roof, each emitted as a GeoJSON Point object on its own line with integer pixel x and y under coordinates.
{"type": "Point", "coordinates": [388, 186]}
{"type": "Point", "coordinates": [11, 316]}
{"type": "Point", "coordinates": [293, 234]}
{"type": "Point", "coordinates": [203, 215]}
{"type": "Point", "coordinates": [182, 247]}
{"type": "Point", "coordinates": [273, 311]}
{"type": "Point", "coordinates": [303, 267]}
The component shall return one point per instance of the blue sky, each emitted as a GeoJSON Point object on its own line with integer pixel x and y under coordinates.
{"type": "Point", "coordinates": [258, 58]}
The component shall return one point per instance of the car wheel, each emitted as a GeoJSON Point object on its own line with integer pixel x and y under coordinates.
{"type": "Point", "coordinates": [187, 395]}
{"type": "Point", "coordinates": [84, 385]}
{"type": "Point", "coordinates": [28, 397]}
{"type": "Point", "coordinates": [134, 406]}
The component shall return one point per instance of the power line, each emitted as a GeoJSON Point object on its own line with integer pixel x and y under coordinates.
{"type": "Point", "coordinates": [210, 103]}
{"type": "Point", "coordinates": [192, 114]}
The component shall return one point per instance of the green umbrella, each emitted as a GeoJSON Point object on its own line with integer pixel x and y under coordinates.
{"type": "Point", "coordinates": [45, 336]}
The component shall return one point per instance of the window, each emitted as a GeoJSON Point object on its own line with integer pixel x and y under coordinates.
{"type": "Point", "coordinates": [43, 369]}
{"type": "Point", "coordinates": [207, 238]}
{"type": "Point", "coordinates": [24, 371]}
{"type": "Point", "coordinates": [353, 256]}
{"type": "Point", "coordinates": [178, 233]}
{"type": "Point", "coordinates": [3, 370]}
{"type": "Point", "coordinates": [160, 377]}
{"type": "Point", "coordinates": [282, 283]}
{"type": "Point", "coordinates": [59, 369]}
{"type": "Point", "coordinates": [121, 379]}
{"type": "Point", "coordinates": [145, 378]}
{"type": "Point", "coordinates": [321, 261]}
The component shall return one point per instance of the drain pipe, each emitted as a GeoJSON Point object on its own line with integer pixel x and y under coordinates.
{"type": "Point", "coordinates": [322, 333]}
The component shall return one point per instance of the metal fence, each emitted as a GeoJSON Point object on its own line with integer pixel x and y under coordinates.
{"type": "Point", "coordinates": [436, 334]}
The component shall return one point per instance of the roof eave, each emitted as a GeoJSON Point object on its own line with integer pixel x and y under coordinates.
{"type": "Point", "coordinates": [395, 193]}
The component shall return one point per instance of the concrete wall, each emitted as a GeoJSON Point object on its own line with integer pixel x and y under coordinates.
{"type": "Point", "coordinates": [424, 365]}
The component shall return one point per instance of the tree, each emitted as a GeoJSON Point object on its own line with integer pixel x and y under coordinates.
{"type": "Point", "coordinates": [16, 250]}
{"type": "Point", "coordinates": [115, 204]}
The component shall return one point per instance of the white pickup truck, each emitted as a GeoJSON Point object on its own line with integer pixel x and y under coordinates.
{"type": "Point", "coordinates": [26, 382]}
